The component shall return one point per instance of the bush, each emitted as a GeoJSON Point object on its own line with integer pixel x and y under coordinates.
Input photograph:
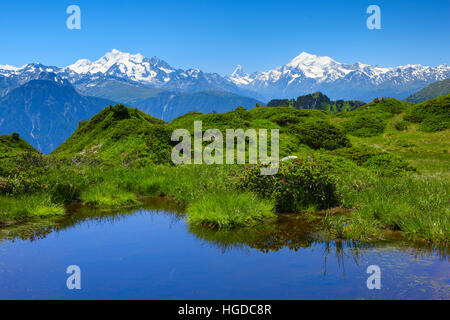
{"type": "Point", "coordinates": [20, 183]}
{"type": "Point", "coordinates": [365, 125]}
{"type": "Point", "coordinates": [388, 165]}
{"type": "Point", "coordinates": [298, 185]}
{"type": "Point", "coordinates": [15, 136]}
{"type": "Point", "coordinates": [434, 124]}
{"type": "Point", "coordinates": [5, 186]}
{"type": "Point", "coordinates": [401, 125]}
{"type": "Point", "coordinates": [358, 154]}
{"type": "Point", "coordinates": [120, 112]}
{"type": "Point", "coordinates": [284, 119]}
{"type": "Point", "coordinates": [391, 105]}
{"type": "Point", "coordinates": [321, 134]}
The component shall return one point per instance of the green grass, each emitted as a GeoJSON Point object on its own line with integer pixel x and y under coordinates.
{"type": "Point", "coordinates": [230, 210]}
{"type": "Point", "coordinates": [107, 195]}
{"type": "Point", "coordinates": [27, 206]}
{"type": "Point", "coordinates": [417, 206]}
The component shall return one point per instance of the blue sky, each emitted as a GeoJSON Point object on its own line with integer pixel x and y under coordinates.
{"type": "Point", "coordinates": [216, 35]}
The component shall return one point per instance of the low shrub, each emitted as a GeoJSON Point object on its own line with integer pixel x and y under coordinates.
{"type": "Point", "coordinates": [321, 134]}
{"type": "Point", "coordinates": [358, 154]}
{"type": "Point", "coordinates": [15, 136]}
{"type": "Point", "coordinates": [388, 165]}
{"type": "Point", "coordinates": [284, 119]}
{"type": "Point", "coordinates": [19, 183]}
{"type": "Point", "coordinates": [5, 186]}
{"type": "Point", "coordinates": [365, 125]}
{"type": "Point", "coordinates": [120, 112]}
{"type": "Point", "coordinates": [298, 185]}
{"type": "Point", "coordinates": [434, 124]}
{"type": "Point", "coordinates": [401, 125]}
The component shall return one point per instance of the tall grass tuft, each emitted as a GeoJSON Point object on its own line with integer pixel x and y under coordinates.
{"type": "Point", "coordinates": [230, 210]}
{"type": "Point", "coordinates": [26, 206]}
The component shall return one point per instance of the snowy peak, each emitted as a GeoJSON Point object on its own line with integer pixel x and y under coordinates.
{"type": "Point", "coordinates": [116, 56]}
{"type": "Point", "coordinates": [313, 66]}
{"type": "Point", "coordinates": [239, 77]}
{"type": "Point", "coordinates": [7, 70]}
{"type": "Point", "coordinates": [81, 66]}
{"type": "Point", "coordinates": [7, 67]}
{"type": "Point", "coordinates": [134, 67]}
{"type": "Point", "coordinates": [238, 72]}
{"type": "Point", "coordinates": [308, 60]}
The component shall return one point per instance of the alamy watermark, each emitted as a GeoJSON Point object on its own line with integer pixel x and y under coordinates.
{"type": "Point", "coordinates": [374, 281]}
{"type": "Point", "coordinates": [235, 140]}
{"type": "Point", "coordinates": [74, 20]}
{"type": "Point", "coordinates": [374, 20]}
{"type": "Point", "coordinates": [74, 280]}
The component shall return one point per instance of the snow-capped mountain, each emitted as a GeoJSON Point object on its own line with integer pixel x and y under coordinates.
{"type": "Point", "coordinates": [133, 67]}
{"type": "Point", "coordinates": [117, 70]}
{"type": "Point", "coordinates": [129, 77]}
{"type": "Point", "coordinates": [308, 73]}
{"type": "Point", "coordinates": [149, 71]}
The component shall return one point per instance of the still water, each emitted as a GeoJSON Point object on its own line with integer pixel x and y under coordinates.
{"type": "Point", "coordinates": [151, 253]}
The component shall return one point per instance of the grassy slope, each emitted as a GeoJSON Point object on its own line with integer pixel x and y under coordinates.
{"type": "Point", "coordinates": [431, 91]}
{"type": "Point", "coordinates": [416, 204]}
{"type": "Point", "coordinates": [118, 135]}
{"type": "Point", "coordinates": [14, 153]}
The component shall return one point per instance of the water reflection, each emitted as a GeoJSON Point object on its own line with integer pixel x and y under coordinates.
{"type": "Point", "coordinates": [293, 232]}
{"type": "Point", "coordinates": [40, 228]}
{"type": "Point", "coordinates": [290, 231]}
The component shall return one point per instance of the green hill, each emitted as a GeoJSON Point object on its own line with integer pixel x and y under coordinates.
{"type": "Point", "coordinates": [433, 115]}
{"type": "Point", "coordinates": [431, 91]}
{"type": "Point", "coordinates": [319, 101]}
{"type": "Point", "coordinates": [129, 136]}
{"type": "Point", "coordinates": [119, 134]}
{"type": "Point", "coordinates": [310, 128]}
{"type": "Point", "coordinates": [370, 119]}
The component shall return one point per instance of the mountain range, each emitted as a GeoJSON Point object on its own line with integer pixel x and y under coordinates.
{"type": "Point", "coordinates": [122, 77]}
{"type": "Point", "coordinates": [129, 78]}
{"type": "Point", "coordinates": [308, 73]}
